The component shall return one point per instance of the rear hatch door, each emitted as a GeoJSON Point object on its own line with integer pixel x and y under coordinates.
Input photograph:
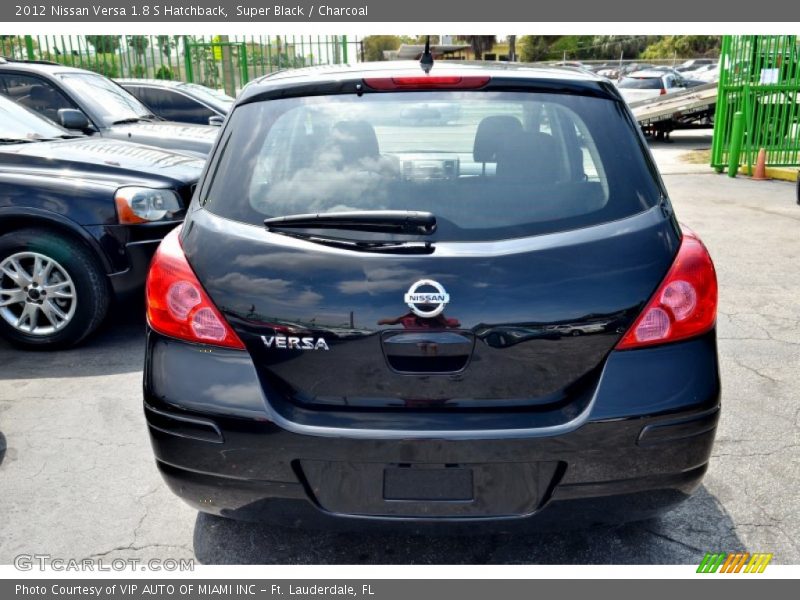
{"type": "Point", "coordinates": [551, 234]}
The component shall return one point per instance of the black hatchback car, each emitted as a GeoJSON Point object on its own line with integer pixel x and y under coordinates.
{"type": "Point", "coordinates": [368, 317]}
{"type": "Point", "coordinates": [80, 218]}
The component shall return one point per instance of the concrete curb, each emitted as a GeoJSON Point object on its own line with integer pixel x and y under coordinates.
{"type": "Point", "coordinates": [783, 173]}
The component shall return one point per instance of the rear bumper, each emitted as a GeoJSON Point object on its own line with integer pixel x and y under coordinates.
{"type": "Point", "coordinates": [290, 505]}
{"type": "Point", "coordinates": [642, 447]}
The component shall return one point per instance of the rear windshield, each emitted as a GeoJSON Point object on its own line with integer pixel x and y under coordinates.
{"type": "Point", "coordinates": [488, 165]}
{"type": "Point", "coordinates": [640, 83]}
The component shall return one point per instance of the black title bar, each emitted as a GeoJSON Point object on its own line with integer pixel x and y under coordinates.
{"type": "Point", "coordinates": [462, 11]}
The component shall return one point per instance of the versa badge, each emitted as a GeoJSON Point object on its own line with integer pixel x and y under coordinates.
{"type": "Point", "coordinates": [282, 342]}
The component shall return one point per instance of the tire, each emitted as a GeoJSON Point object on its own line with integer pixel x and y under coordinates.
{"type": "Point", "coordinates": [78, 288]}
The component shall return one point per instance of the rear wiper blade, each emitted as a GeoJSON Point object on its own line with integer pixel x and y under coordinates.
{"type": "Point", "coordinates": [387, 247]}
{"type": "Point", "coordinates": [381, 221]}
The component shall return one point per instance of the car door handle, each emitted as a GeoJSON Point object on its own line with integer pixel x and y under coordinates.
{"type": "Point", "coordinates": [427, 343]}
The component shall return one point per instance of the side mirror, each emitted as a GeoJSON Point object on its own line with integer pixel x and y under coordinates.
{"type": "Point", "coordinates": [71, 118]}
{"type": "Point", "coordinates": [216, 120]}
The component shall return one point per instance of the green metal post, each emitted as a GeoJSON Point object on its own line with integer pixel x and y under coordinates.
{"type": "Point", "coordinates": [187, 59]}
{"type": "Point", "coordinates": [736, 143]}
{"type": "Point", "coordinates": [29, 47]}
{"type": "Point", "coordinates": [749, 126]}
{"type": "Point", "coordinates": [344, 49]}
{"type": "Point", "coordinates": [721, 111]}
{"type": "Point", "coordinates": [245, 75]}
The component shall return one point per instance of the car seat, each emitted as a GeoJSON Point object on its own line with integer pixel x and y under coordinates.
{"type": "Point", "coordinates": [529, 156]}
{"type": "Point", "coordinates": [490, 136]}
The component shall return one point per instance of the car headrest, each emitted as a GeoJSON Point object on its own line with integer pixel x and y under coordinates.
{"type": "Point", "coordinates": [529, 156]}
{"type": "Point", "coordinates": [39, 93]}
{"type": "Point", "coordinates": [491, 134]}
{"type": "Point", "coordinates": [355, 140]}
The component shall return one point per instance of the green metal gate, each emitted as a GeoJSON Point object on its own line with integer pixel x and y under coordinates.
{"type": "Point", "coordinates": [230, 62]}
{"type": "Point", "coordinates": [227, 62]}
{"type": "Point", "coordinates": [217, 64]}
{"type": "Point", "coordinates": [759, 78]}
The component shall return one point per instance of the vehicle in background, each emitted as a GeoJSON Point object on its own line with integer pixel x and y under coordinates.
{"type": "Point", "coordinates": [694, 63]}
{"type": "Point", "coordinates": [685, 79]}
{"type": "Point", "coordinates": [705, 74]}
{"type": "Point", "coordinates": [84, 101]}
{"type": "Point", "coordinates": [492, 323]}
{"type": "Point", "coordinates": [80, 218]}
{"type": "Point", "coordinates": [616, 70]}
{"type": "Point", "coordinates": [608, 71]}
{"type": "Point", "coordinates": [576, 64]}
{"type": "Point", "coordinates": [435, 113]}
{"type": "Point", "coordinates": [660, 69]}
{"type": "Point", "coordinates": [652, 83]}
{"type": "Point", "coordinates": [180, 101]}
{"type": "Point", "coordinates": [596, 68]}
{"type": "Point", "coordinates": [629, 68]}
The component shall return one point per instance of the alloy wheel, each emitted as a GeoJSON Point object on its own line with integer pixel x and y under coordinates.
{"type": "Point", "coordinates": [37, 295]}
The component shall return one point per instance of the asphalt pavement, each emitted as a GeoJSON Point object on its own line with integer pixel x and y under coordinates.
{"type": "Point", "coordinates": [77, 478]}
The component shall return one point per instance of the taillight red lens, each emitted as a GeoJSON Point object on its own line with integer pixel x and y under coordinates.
{"type": "Point", "coordinates": [177, 305]}
{"type": "Point", "coordinates": [448, 82]}
{"type": "Point", "coordinates": [685, 304]}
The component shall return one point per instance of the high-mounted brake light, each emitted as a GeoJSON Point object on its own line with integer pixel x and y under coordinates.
{"type": "Point", "coordinates": [428, 82]}
{"type": "Point", "coordinates": [685, 304]}
{"type": "Point", "coordinates": [177, 305]}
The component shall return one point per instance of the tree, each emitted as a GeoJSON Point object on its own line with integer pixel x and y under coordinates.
{"type": "Point", "coordinates": [374, 45]}
{"type": "Point", "coordinates": [512, 48]}
{"type": "Point", "coordinates": [8, 43]}
{"type": "Point", "coordinates": [683, 46]}
{"type": "Point", "coordinates": [139, 44]}
{"type": "Point", "coordinates": [583, 47]}
{"type": "Point", "coordinates": [104, 43]}
{"type": "Point", "coordinates": [534, 48]}
{"type": "Point", "coordinates": [571, 47]}
{"type": "Point", "coordinates": [164, 72]}
{"type": "Point", "coordinates": [480, 44]}
{"type": "Point", "coordinates": [166, 43]}
{"type": "Point", "coordinates": [612, 46]}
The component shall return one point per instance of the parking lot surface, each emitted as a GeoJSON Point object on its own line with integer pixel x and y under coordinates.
{"type": "Point", "coordinates": [77, 477]}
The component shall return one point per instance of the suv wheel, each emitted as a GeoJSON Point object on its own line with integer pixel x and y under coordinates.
{"type": "Point", "coordinates": [52, 293]}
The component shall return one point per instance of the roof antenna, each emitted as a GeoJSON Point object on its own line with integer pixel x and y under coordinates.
{"type": "Point", "coordinates": [426, 62]}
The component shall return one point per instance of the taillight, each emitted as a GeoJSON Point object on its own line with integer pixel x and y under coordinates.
{"type": "Point", "coordinates": [421, 82]}
{"type": "Point", "coordinates": [685, 304]}
{"type": "Point", "coordinates": [663, 92]}
{"type": "Point", "coordinates": [177, 305]}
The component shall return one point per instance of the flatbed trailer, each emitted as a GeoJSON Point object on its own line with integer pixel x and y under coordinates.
{"type": "Point", "coordinates": [688, 109]}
